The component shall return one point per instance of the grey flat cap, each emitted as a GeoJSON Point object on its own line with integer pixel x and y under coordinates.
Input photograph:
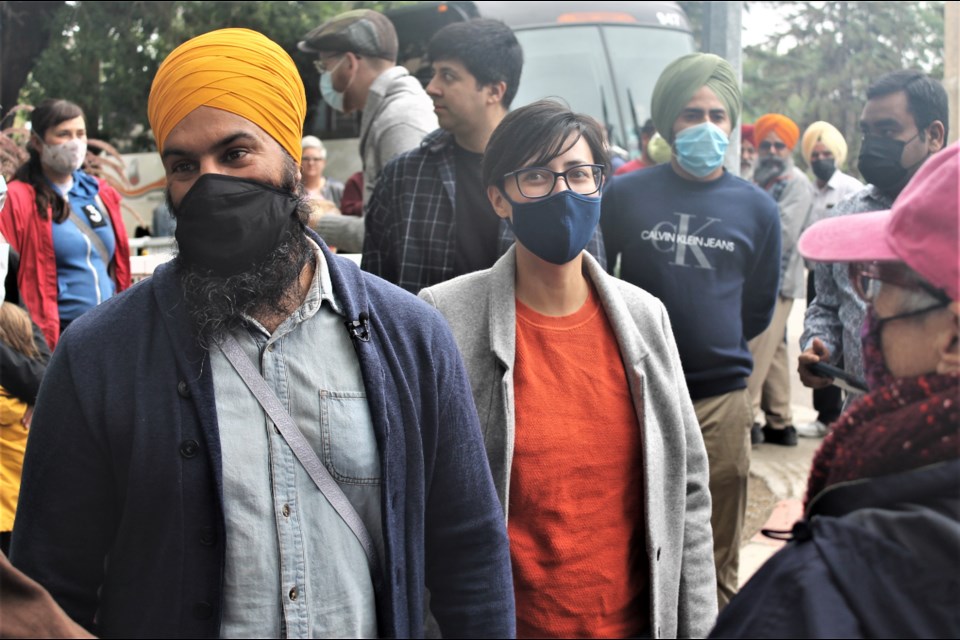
{"type": "Point", "coordinates": [360, 31]}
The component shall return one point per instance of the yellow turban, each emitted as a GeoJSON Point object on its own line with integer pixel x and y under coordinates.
{"type": "Point", "coordinates": [781, 125]}
{"type": "Point", "coordinates": [237, 70]}
{"type": "Point", "coordinates": [831, 138]}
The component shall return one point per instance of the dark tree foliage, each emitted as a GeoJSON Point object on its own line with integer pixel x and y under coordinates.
{"type": "Point", "coordinates": [104, 55]}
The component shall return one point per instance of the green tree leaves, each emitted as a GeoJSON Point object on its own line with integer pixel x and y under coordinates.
{"type": "Point", "coordinates": [819, 68]}
{"type": "Point", "coordinates": [104, 55]}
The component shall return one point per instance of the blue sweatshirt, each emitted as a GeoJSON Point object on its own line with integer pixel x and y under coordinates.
{"type": "Point", "coordinates": [711, 252]}
{"type": "Point", "coordinates": [82, 276]}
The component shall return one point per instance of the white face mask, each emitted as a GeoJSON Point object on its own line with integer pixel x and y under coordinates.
{"type": "Point", "coordinates": [66, 157]}
{"type": "Point", "coordinates": [330, 95]}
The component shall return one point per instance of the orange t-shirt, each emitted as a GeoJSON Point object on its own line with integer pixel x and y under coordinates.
{"type": "Point", "coordinates": [577, 539]}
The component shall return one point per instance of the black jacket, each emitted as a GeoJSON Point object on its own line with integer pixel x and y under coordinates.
{"type": "Point", "coordinates": [874, 558]}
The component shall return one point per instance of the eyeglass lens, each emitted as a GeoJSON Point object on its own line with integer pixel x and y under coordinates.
{"type": "Point", "coordinates": [323, 64]}
{"type": "Point", "coordinates": [868, 277]}
{"type": "Point", "coordinates": [537, 182]}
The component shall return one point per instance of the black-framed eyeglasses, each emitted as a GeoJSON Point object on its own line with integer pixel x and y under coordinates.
{"type": "Point", "coordinates": [766, 146]}
{"type": "Point", "coordinates": [322, 63]}
{"type": "Point", "coordinates": [867, 278]}
{"type": "Point", "coordinates": [538, 182]}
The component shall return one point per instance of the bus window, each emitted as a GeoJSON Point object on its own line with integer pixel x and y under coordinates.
{"type": "Point", "coordinates": [637, 56]}
{"type": "Point", "coordinates": [569, 63]}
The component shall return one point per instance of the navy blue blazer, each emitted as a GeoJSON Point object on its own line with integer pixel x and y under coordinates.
{"type": "Point", "coordinates": [121, 515]}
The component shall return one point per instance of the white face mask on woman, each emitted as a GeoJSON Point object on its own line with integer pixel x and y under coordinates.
{"type": "Point", "coordinates": [66, 157]}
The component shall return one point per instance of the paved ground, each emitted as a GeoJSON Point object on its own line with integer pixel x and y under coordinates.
{"type": "Point", "coordinates": [778, 475]}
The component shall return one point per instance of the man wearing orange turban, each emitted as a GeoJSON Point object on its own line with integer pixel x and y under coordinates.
{"type": "Point", "coordinates": [776, 135]}
{"type": "Point", "coordinates": [172, 492]}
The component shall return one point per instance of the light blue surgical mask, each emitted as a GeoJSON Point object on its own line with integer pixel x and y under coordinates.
{"type": "Point", "coordinates": [330, 95]}
{"type": "Point", "coordinates": [700, 149]}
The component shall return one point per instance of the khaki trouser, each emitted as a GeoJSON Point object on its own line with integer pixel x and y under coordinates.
{"type": "Point", "coordinates": [769, 384]}
{"type": "Point", "coordinates": [725, 422]}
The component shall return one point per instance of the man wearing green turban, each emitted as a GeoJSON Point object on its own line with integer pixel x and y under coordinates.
{"type": "Point", "coordinates": [708, 245]}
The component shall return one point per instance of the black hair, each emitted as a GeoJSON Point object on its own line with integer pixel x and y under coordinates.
{"type": "Point", "coordinates": [536, 134]}
{"type": "Point", "coordinates": [487, 48]}
{"type": "Point", "coordinates": [926, 98]}
{"type": "Point", "coordinates": [46, 115]}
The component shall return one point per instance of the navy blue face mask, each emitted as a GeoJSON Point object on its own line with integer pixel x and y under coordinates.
{"type": "Point", "coordinates": [558, 227]}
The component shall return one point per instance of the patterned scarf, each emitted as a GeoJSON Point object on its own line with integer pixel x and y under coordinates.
{"type": "Point", "coordinates": [908, 424]}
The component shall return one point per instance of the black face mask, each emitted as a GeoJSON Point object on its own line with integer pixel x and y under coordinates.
{"type": "Point", "coordinates": [879, 163]}
{"type": "Point", "coordinates": [228, 224]}
{"type": "Point", "coordinates": [824, 169]}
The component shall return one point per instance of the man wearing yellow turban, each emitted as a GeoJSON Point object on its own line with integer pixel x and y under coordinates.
{"type": "Point", "coordinates": [707, 244]}
{"type": "Point", "coordinates": [172, 492]}
{"type": "Point", "coordinates": [776, 136]}
{"type": "Point", "coordinates": [825, 151]}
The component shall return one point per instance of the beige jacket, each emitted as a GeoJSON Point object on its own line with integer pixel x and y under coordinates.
{"type": "Point", "coordinates": [480, 308]}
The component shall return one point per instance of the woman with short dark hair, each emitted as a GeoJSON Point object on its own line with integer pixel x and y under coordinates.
{"type": "Point", "coordinates": [590, 432]}
{"type": "Point", "coordinates": [65, 224]}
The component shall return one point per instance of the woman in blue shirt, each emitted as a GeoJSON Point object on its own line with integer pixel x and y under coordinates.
{"type": "Point", "coordinates": [65, 223]}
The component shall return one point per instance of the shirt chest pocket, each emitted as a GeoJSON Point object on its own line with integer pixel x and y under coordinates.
{"type": "Point", "coordinates": [349, 443]}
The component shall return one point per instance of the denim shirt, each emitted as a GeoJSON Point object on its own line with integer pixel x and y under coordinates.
{"type": "Point", "coordinates": [293, 567]}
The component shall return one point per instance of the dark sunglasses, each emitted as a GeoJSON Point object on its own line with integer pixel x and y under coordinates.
{"type": "Point", "coordinates": [765, 146]}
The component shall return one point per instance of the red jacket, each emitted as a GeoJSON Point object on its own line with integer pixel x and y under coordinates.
{"type": "Point", "coordinates": [32, 237]}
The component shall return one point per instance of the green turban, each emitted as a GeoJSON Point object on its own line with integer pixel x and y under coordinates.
{"type": "Point", "coordinates": [682, 78]}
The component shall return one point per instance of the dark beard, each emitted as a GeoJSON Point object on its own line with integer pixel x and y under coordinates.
{"type": "Point", "coordinates": [217, 304]}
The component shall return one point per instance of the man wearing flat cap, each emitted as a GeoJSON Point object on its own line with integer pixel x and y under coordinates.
{"type": "Point", "coordinates": [707, 244]}
{"type": "Point", "coordinates": [776, 136]}
{"type": "Point", "coordinates": [271, 443]}
{"type": "Point", "coordinates": [357, 59]}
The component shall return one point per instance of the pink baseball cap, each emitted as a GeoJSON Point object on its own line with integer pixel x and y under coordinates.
{"type": "Point", "coordinates": [920, 230]}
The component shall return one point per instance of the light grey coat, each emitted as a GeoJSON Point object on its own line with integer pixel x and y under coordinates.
{"type": "Point", "coordinates": [397, 115]}
{"type": "Point", "coordinates": [481, 310]}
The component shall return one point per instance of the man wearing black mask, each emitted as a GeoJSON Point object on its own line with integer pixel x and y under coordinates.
{"type": "Point", "coordinates": [259, 440]}
{"type": "Point", "coordinates": [903, 123]}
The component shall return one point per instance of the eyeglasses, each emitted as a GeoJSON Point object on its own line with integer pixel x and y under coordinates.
{"type": "Point", "coordinates": [322, 63]}
{"type": "Point", "coordinates": [765, 146]}
{"type": "Point", "coordinates": [305, 159]}
{"type": "Point", "coordinates": [538, 182]}
{"type": "Point", "coordinates": [867, 278]}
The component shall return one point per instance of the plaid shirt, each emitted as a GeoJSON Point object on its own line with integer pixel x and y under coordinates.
{"type": "Point", "coordinates": [410, 223]}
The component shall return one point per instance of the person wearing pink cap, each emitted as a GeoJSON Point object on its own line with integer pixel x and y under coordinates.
{"type": "Point", "coordinates": [877, 553]}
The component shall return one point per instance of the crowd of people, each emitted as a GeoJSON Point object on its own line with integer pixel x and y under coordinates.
{"type": "Point", "coordinates": [553, 437]}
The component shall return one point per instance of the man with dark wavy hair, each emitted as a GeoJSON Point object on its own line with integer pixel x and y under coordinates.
{"type": "Point", "coordinates": [429, 219]}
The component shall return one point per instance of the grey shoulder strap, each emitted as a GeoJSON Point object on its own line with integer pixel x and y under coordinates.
{"type": "Point", "coordinates": [301, 448]}
{"type": "Point", "coordinates": [95, 240]}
